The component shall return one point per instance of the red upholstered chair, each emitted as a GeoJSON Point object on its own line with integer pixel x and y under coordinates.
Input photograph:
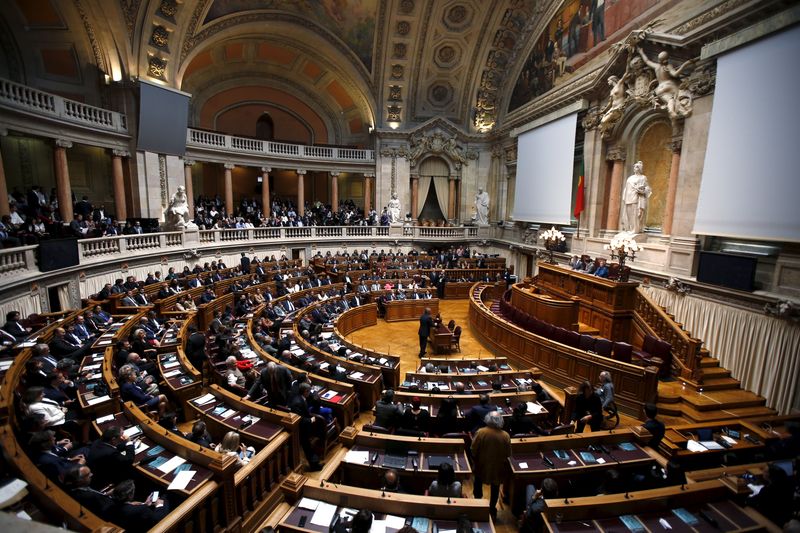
{"type": "Point", "coordinates": [549, 331]}
{"type": "Point", "coordinates": [623, 352]}
{"type": "Point", "coordinates": [586, 343]}
{"type": "Point", "coordinates": [655, 352]}
{"type": "Point", "coordinates": [560, 335]}
{"type": "Point", "coordinates": [603, 347]}
{"type": "Point", "coordinates": [573, 339]}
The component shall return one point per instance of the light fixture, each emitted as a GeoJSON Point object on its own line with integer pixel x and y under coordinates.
{"type": "Point", "coordinates": [394, 125]}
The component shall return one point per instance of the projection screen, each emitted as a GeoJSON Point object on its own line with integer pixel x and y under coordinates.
{"type": "Point", "coordinates": [750, 187]}
{"type": "Point", "coordinates": [163, 119]}
{"type": "Point", "coordinates": [545, 163]}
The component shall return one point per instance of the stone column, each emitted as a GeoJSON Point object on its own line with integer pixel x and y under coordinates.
{"type": "Point", "coordinates": [617, 155]}
{"type": "Point", "coordinates": [368, 193]}
{"type": "Point", "coordinates": [301, 192]}
{"type": "Point", "coordinates": [451, 199]}
{"type": "Point", "coordinates": [119, 183]}
{"type": "Point", "coordinates": [335, 190]}
{"type": "Point", "coordinates": [4, 208]}
{"type": "Point", "coordinates": [266, 206]}
{"type": "Point", "coordinates": [229, 188]}
{"type": "Point", "coordinates": [414, 196]}
{"type": "Point", "coordinates": [189, 185]}
{"type": "Point", "coordinates": [63, 188]}
{"type": "Point", "coordinates": [672, 188]}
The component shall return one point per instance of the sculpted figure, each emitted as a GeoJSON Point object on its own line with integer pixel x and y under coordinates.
{"type": "Point", "coordinates": [636, 196]}
{"type": "Point", "coordinates": [178, 216]}
{"type": "Point", "coordinates": [668, 94]}
{"type": "Point", "coordinates": [482, 207]}
{"type": "Point", "coordinates": [394, 210]}
{"type": "Point", "coordinates": [617, 99]}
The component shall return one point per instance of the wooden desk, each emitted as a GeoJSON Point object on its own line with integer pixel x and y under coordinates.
{"type": "Point", "coordinates": [397, 310]}
{"type": "Point", "coordinates": [466, 366]}
{"type": "Point", "coordinates": [604, 304]}
{"type": "Point", "coordinates": [648, 507]}
{"type": "Point", "coordinates": [676, 442]}
{"type": "Point", "coordinates": [441, 338]}
{"type": "Point", "coordinates": [561, 313]}
{"type": "Point", "coordinates": [510, 381]}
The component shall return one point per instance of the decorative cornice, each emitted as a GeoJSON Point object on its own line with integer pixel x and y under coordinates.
{"type": "Point", "coordinates": [266, 170]}
{"type": "Point", "coordinates": [120, 153]}
{"type": "Point", "coordinates": [616, 153]}
{"type": "Point", "coordinates": [63, 143]}
{"type": "Point", "coordinates": [229, 166]}
{"type": "Point", "coordinates": [300, 172]}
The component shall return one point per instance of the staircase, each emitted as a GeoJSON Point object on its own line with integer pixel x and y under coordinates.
{"type": "Point", "coordinates": [715, 397]}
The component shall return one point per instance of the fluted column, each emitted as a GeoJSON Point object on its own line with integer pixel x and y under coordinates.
{"type": "Point", "coordinates": [63, 188]}
{"type": "Point", "coordinates": [229, 187]}
{"type": "Point", "coordinates": [414, 196]}
{"type": "Point", "coordinates": [335, 190]}
{"type": "Point", "coordinates": [617, 155]}
{"type": "Point", "coordinates": [451, 199]}
{"type": "Point", "coordinates": [4, 207]}
{"type": "Point", "coordinates": [189, 185]}
{"type": "Point", "coordinates": [672, 188]}
{"type": "Point", "coordinates": [301, 192]}
{"type": "Point", "coordinates": [266, 206]}
{"type": "Point", "coordinates": [368, 192]}
{"type": "Point", "coordinates": [118, 177]}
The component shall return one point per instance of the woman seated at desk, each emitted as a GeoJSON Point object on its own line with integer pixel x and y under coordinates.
{"type": "Point", "coordinates": [445, 484]}
{"type": "Point", "coordinates": [230, 446]}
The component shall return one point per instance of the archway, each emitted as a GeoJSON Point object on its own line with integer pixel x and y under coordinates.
{"type": "Point", "coordinates": [265, 128]}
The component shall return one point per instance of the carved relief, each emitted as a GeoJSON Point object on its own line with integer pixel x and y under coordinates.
{"type": "Point", "coordinates": [406, 6]}
{"type": "Point", "coordinates": [399, 50]}
{"type": "Point", "coordinates": [440, 94]}
{"type": "Point", "coordinates": [403, 27]}
{"type": "Point", "coordinates": [437, 142]}
{"type": "Point", "coordinates": [457, 17]}
{"type": "Point", "coordinates": [160, 37]}
{"type": "Point", "coordinates": [395, 93]}
{"type": "Point", "coordinates": [156, 67]}
{"type": "Point", "coordinates": [397, 71]}
{"type": "Point", "coordinates": [168, 9]}
{"type": "Point", "coordinates": [162, 178]}
{"type": "Point", "coordinates": [393, 113]}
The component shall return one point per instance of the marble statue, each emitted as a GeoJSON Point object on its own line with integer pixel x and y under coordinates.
{"type": "Point", "coordinates": [482, 207]}
{"type": "Point", "coordinates": [668, 94]}
{"type": "Point", "coordinates": [394, 210]}
{"type": "Point", "coordinates": [617, 99]}
{"type": "Point", "coordinates": [635, 197]}
{"type": "Point", "coordinates": [178, 216]}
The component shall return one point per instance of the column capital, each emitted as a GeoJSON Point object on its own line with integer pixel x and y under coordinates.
{"type": "Point", "coordinates": [63, 143]}
{"type": "Point", "coordinates": [266, 170]}
{"type": "Point", "coordinates": [414, 176]}
{"type": "Point", "coordinates": [675, 145]}
{"type": "Point", "coordinates": [189, 162]}
{"type": "Point", "coordinates": [229, 166]}
{"type": "Point", "coordinates": [335, 173]}
{"type": "Point", "coordinates": [369, 174]}
{"type": "Point", "coordinates": [300, 171]}
{"type": "Point", "coordinates": [615, 153]}
{"type": "Point", "coordinates": [117, 152]}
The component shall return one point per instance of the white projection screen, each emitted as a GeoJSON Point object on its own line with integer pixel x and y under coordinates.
{"type": "Point", "coordinates": [751, 176]}
{"type": "Point", "coordinates": [545, 163]}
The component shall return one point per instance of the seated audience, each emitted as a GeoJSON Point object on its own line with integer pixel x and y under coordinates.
{"type": "Point", "coordinates": [135, 516]}
{"type": "Point", "coordinates": [445, 484]}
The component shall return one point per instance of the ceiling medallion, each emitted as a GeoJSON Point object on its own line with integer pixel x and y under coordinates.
{"type": "Point", "coordinates": [457, 17]}
{"type": "Point", "coordinates": [440, 94]}
{"type": "Point", "coordinates": [406, 6]}
{"type": "Point", "coordinates": [400, 50]}
{"type": "Point", "coordinates": [446, 54]}
{"type": "Point", "coordinates": [168, 8]}
{"type": "Point", "coordinates": [397, 71]}
{"type": "Point", "coordinates": [403, 27]}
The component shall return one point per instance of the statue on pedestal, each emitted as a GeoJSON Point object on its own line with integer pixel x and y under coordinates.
{"type": "Point", "coordinates": [482, 207]}
{"type": "Point", "coordinates": [635, 197]}
{"type": "Point", "coordinates": [394, 210]}
{"type": "Point", "coordinates": [177, 215]}
{"type": "Point", "coordinates": [668, 94]}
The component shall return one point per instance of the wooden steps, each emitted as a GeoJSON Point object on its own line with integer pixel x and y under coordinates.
{"type": "Point", "coordinates": [707, 361]}
{"type": "Point", "coordinates": [694, 416]}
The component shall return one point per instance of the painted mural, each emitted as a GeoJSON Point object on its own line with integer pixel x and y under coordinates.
{"type": "Point", "coordinates": [578, 32]}
{"type": "Point", "coordinates": [353, 21]}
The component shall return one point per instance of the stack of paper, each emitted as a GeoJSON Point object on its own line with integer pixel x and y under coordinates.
{"type": "Point", "coordinates": [181, 480]}
{"type": "Point", "coordinates": [323, 515]}
{"type": "Point", "coordinates": [359, 457]}
{"type": "Point", "coordinates": [204, 399]}
{"type": "Point", "coordinates": [170, 465]}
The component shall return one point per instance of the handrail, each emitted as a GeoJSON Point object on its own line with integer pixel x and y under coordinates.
{"type": "Point", "coordinates": [233, 143]}
{"type": "Point", "coordinates": [685, 349]}
{"type": "Point", "coordinates": [23, 98]}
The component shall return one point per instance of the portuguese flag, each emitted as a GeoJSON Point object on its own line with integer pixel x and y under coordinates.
{"type": "Point", "coordinates": [579, 196]}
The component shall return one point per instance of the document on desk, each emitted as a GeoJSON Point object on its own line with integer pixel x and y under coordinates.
{"type": "Point", "coordinates": [228, 413]}
{"type": "Point", "coordinates": [173, 463]}
{"type": "Point", "coordinates": [204, 399]}
{"type": "Point", "coordinates": [378, 526]}
{"type": "Point", "coordinates": [395, 522]}
{"type": "Point", "coordinates": [328, 395]}
{"type": "Point", "coordinates": [534, 408]}
{"type": "Point", "coordinates": [171, 373]}
{"type": "Point", "coordinates": [323, 515]}
{"type": "Point", "coordinates": [104, 419]}
{"type": "Point", "coordinates": [482, 368]}
{"type": "Point", "coordinates": [181, 480]}
{"type": "Point", "coordinates": [694, 446]}
{"type": "Point", "coordinates": [98, 399]}
{"type": "Point", "coordinates": [308, 503]}
{"type": "Point", "coordinates": [357, 375]}
{"type": "Point", "coordinates": [172, 364]}
{"type": "Point", "coordinates": [140, 447]}
{"type": "Point", "coordinates": [132, 431]}
{"type": "Point", "coordinates": [357, 457]}
{"type": "Point", "coordinates": [712, 445]}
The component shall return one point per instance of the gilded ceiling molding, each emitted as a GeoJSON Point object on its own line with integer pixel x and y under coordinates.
{"type": "Point", "coordinates": [130, 10]}
{"type": "Point", "coordinates": [96, 50]}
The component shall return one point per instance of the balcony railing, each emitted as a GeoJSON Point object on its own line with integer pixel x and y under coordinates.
{"type": "Point", "coordinates": [23, 98]}
{"type": "Point", "coordinates": [231, 143]}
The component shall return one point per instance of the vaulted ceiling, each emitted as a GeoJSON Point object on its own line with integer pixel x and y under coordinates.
{"type": "Point", "coordinates": [336, 67]}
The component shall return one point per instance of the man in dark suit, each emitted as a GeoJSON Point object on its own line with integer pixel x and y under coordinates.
{"type": "Point", "coordinates": [47, 458]}
{"type": "Point", "coordinates": [245, 264]}
{"type": "Point", "coordinates": [476, 415]}
{"type": "Point", "coordinates": [77, 481]}
{"type": "Point", "coordinates": [128, 301]}
{"type": "Point", "coordinates": [196, 348]}
{"type": "Point", "coordinates": [111, 457]}
{"type": "Point", "coordinates": [275, 380]}
{"type": "Point", "coordinates": [311, 425]}
{"type": "Point", "coordinates": [62, 348]}
{"type": "Point", "coordinates": [425, 325]}
{"type": "Point", "coordinates": [13, 327]}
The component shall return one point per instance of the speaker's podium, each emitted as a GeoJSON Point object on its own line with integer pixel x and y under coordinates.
{"type": "Point", "coordinates": [54, 254]}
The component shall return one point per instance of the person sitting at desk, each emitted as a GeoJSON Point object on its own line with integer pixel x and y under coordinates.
{"type": "Point", "coordinates": [415, 418]}
{"type": "Point", "coordinates": [51, 459]}
{"type": "Point", "coordinates": [130, 391]}
{"type": "Point", "coordinates": [200, 435]}
{"type": "Point", "coordinates": [588, 409]}
{"type": "Point", "coordinates": [655, 427]}
{"type": "Point", "coordinates": [63, 348]}
{"type": "Point", "coordinates": [445, 484]}
{"type": "Point", "coordinates": [231, 446]}
{"type": "Point", "coordinates": [541, 394]}
{"type": "Point", "coordinates": [602, 269]}
{"type": "Point", "coordinates": [387, 413]}
{"type": "Point", "coordinates": [77, 481]}
{"type": "Point", "coordinates": [477, 414]}
{"type": "Point", "coordinates": [391, 482]}
{"type": "Point", "coordinates": [135, 516]}
{"type": "Point", "coordinates": [521, 423]}
{"type": "Point", "coordinates": [774, 501]}
{"type": "Point", "coordinates": [360, 523]}
{"type": "Point", "coordinates": [535, 505]}
{"type": "Point", "coordinates": [447, 417]}
{"type": "Point", "coordinates": [111, 456]}
{"type": "Point", "coordinates": [233, 376]}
